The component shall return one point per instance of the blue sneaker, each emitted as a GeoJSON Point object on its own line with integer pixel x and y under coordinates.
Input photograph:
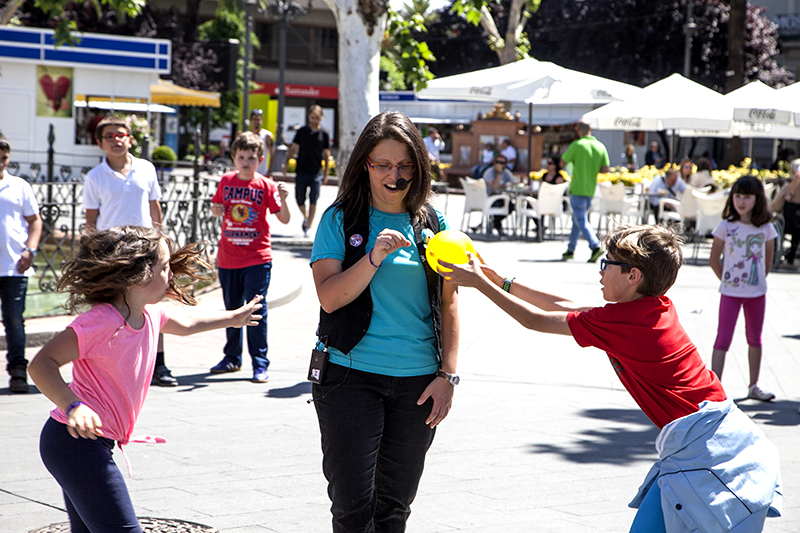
{"type": "Point", "coordinates": [225, 366]}
{"type": "Point", "coordinates": [260, 375]}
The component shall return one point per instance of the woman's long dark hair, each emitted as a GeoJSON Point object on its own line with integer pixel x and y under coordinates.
{"type": "Point", "coordinates": [354, 195]}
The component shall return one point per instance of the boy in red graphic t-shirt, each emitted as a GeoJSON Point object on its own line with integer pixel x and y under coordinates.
{"type": "Point", "coordinates": [244, 260]}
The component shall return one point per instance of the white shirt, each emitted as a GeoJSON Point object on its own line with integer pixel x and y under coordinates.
{"type": "Point", "coordinates": [511, 156]}
{"type": "Point", "coordinates": [17, 201]}
{"type": "Point", "coordinates": [744, 273]}
{"type": "Point", "coordinates": [434, 146]}
{"type": "Point", "coordinates": [264, 165]}
{"type": "Point", "coordinates": [121, 200]}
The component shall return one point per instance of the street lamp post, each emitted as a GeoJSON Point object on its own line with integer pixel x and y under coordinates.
{"type": "Point", "coordinates": [688, 29]}
{"type": "Point", "coordinates": [249, 9]}
{"type": "Point", "coordinates": [283, 11]}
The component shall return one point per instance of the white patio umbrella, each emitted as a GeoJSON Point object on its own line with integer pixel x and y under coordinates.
{"type": "Point", "coordinates": [529, 81]}
{"type": "Point", "coordinates": [674, 103]}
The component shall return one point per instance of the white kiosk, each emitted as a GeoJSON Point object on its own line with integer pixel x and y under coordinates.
{"type": "Point", "coordinates": [71, 87]}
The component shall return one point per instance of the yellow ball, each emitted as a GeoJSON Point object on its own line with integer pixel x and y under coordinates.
{"type": "Point", "coordinates": [449, 245]}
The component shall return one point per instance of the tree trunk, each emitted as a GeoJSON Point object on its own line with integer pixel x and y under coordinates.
{"type": "Point", "coordinates": [733, 153]}
{"type": "Point", "coordinates": [361, 25]}
{"type": "Point", "coordinates": [8, 12]}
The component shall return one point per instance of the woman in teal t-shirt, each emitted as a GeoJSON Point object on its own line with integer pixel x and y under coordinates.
{"type": "Point", "coordinates": [387, 388]}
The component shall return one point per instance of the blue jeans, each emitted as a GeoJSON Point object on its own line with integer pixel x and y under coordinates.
{"type": "Point", "coordinates": [240, 285]}
{"type": "Point", "coordinates": [650, 516]}
{"type": "Point", "coordinates": [374, 441]}
{"type": "Point", "coordinates": [94, 489]}
{"type": "Point", "coordinates": [580, 222]}
{"type": "Point", "coordinates": [12, 304]}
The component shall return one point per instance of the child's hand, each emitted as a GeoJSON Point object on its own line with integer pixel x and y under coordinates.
{"type": "Point", "coordinates": [244, 315]}
{"type": "Point", "coordinates": [217, 210]}
{"type": "Point", "coordinates": [468, 274]}
{"type": "Point", "coordinates": [84, 423]}
{"type": "Point", "coordinates": [283, 191]}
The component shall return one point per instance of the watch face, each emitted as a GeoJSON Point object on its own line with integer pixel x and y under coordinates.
{"type": "Point", "coordinates": [455, 380]}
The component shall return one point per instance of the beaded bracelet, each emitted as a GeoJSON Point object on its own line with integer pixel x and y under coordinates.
{"type": "Point", "coordinates": [370, 260]}
{"type": "Point", "coordinates": [507, 284]}
{"type": "Point", "coordinates": [72, 406]}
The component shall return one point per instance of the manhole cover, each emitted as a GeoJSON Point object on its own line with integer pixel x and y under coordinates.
{"type": "Point", "coordinates": [149, 525]}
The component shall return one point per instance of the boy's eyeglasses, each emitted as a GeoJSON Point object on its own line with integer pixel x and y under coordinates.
{"type": "Point", "coordinates": [605, 262]}
{"type": "Point", "coordinates": [405, 169]}
{"type": "Point", "coordinates": [115, 136]}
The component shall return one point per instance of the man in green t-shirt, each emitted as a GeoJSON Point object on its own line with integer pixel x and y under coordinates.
{"type": "Point", "coordinates": [588, 157]}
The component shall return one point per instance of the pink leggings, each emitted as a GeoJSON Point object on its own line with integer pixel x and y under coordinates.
{"type": "Point", "coordinates": [753, 320]}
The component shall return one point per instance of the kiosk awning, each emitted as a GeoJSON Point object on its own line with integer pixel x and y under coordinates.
{"type": "Point", "coordinates": [167, 93]}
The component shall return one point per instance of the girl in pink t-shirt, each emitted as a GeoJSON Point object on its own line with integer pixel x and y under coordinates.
{"type": "Point", "coordinates": [123, 273]}
{"type": "Point", "coordinates": [741, 257]}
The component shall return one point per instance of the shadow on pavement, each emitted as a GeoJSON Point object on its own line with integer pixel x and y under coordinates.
{"type": "Point", "coordinates": [780, 413]}
{"type": "Point", "coordinates": [614, 445]}
{"type": "Point", "coordinates": [304, 387]}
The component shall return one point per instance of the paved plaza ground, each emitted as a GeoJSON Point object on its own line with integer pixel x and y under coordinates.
{"type": "Point", "coordinates": [542, 437]}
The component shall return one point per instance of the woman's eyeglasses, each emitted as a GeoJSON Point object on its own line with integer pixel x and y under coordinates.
{"type": "Point", "coordinates": [405, 169]}
{"type": "Point", "coordinates": [115, 136]}
{"type": "Point", "coordinates": [605, 262]}
{"type": "Point", "coordinates": [551, 162]}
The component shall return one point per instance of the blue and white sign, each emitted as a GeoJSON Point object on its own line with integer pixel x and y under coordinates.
{"type": "Point", "coordinates": [90, 51]}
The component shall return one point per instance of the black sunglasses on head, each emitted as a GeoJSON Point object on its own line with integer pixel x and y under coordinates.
{"type": "Point", "coordinates": [256, 112]}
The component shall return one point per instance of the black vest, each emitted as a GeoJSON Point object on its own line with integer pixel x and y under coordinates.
{"type": "Point", "coordinates": [344, 328]}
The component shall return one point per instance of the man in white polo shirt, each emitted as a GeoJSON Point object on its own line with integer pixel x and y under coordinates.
{"type": "Point", "coordinates": [123, 191]}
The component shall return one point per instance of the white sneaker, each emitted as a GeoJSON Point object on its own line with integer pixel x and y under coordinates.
{"type": "Point", "coordinates": [757, 393]}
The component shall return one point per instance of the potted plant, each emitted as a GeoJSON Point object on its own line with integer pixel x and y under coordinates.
{"type": "Point", "coordinates": [164, 158]}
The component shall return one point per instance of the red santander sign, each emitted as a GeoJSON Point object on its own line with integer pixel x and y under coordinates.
{"type": "Point", "coordinates": [293, 90]}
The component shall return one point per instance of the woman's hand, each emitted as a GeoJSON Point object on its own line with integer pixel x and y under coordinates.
{"type": "Point", "coordinates": [387, 242]}
{"type": "Point", "coordinates": [82, 422]}
{"type": "Point", "coordinates": [441, 392]}
{"type": "Point", "coordinates": [244, 315]}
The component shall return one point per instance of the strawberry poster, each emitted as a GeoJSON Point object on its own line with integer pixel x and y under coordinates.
{"type": "Point", "coordinates": [54, 91]}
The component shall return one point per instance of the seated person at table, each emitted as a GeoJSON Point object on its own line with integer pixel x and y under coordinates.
{"type": "Point", "coordinates": [702, 177]}
{"type": "Point", "coordinates": [554, 174]}
{"type": "Point", "coordinates": [686, 170]}
{"type": "Point", "coordinates": [487, 157]}
{"type": "Point", "coordinates": [497, 178]}
{"type": "Point", "coordinates": [666, 186]}
{"type": "Point", "coordinates": [628, 159]}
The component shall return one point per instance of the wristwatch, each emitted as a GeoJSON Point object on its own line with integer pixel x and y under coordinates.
{"type": "Point", "coordinates": [33, 251]}
{"type": "Point", "coordinates": [451, 378]}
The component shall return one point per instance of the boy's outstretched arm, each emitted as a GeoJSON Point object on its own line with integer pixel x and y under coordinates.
{"type": "Point", "coordinates": [542, 300]}
{"type": "Point", "coordinates": [472, 274]}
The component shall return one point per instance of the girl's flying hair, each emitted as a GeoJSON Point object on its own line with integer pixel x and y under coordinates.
{"type": "Point", "coordinates": [110, 262]}
{"type": "Point", "coordinates": [749, 185]}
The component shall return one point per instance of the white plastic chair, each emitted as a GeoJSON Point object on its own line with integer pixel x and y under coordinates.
{"type": "Point", "coordinates": [476, 199]}
{"type": "Point", "coordinates": [683, 209]}
{"type": "Point", "coordinates": [709, 214]}
{"type": "Point", "coordinates": [550, 203]}
{"type": "Point", "coordinates": [613, 200]}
